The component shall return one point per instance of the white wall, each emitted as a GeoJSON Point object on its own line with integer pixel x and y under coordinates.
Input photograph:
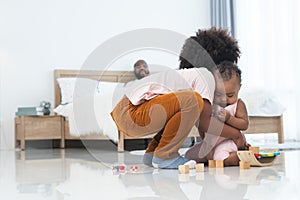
{"type": "Point", "coordinates": [37, 37]}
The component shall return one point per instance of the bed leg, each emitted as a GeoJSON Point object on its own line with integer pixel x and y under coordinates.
{"type": "Point", "coordinates": [62, 140]}
{"type": "Point", "coordinates": [280, 131]}
{"type": "Point", "coordinates": [120, 142]}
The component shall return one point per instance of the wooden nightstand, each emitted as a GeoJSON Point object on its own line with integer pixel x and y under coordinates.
{"type": "Point", "coordinates": [47, 127]}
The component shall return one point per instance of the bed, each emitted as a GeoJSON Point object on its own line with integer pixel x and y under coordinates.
{"type": "Point", "coordinates": [258, 124]}
{"type": "Point", "coordinates": [266, 124]}
{"type": "Point", "coordinates": [265, 111]}
{"type": "Point", "coordinates": [109, 130]}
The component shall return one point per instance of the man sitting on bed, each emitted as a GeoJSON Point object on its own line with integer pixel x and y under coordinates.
{"type": "Point", "coordinates": [141, 69]}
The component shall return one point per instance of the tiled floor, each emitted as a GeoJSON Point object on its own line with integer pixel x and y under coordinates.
{"type": "Point", "coordinates": [87, 174]}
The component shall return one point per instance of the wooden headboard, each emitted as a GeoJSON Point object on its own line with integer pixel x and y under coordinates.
{"type": "Point", "coordinates": [111, 76]}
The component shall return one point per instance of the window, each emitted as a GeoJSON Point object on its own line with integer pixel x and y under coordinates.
{"type": "Point", "coordinates": [269, 37]}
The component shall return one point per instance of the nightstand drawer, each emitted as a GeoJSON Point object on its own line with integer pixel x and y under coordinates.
{"type": "Point", "coordinates": [42, 128]}
{"type": "Point", "coordinates": [39, 128]}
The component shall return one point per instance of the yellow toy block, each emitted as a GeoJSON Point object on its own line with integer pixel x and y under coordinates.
{"type": "Point", "coordinates": [212, 164]}
{"type": "Point", "coordinates": [244, 165]}
{"type": "Point", "coordinates": [254, 149]}
{"type": "Point", "coordinates": [219, 164]}
{"type": "Point", "coordinates": [200, 167]}
{"type": "Point", "coordinates": [183, 169]}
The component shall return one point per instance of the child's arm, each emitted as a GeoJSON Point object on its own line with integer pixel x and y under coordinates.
{"type": "Point", "coordinates": [212, 125]}
{"type": "Point", "coordinates": [240, 120]}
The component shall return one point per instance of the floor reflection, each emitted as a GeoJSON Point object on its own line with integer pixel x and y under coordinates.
{"type": "Point", "coordinates": [76, 174]}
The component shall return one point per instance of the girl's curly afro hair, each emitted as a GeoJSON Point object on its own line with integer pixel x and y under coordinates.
{"type": "Point", "coordinates": [209, 48]}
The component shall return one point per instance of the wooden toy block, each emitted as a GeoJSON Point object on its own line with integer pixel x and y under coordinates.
{"type": "Point", "coordinates": [212, 164]}
{"type": "Point", "coordinates": [219, 164]}
{"type": "Point", "coordinates": [183, 169]}
{"type": "Point", "coordinates": [254, 149]}
{"type": "Point", "coordinates": [200, 167]}
{"type": "Point", "coordinates": [244, 165]}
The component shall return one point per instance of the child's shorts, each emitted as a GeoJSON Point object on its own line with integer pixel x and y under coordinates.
{"type": "Point", "coordinates": [223, 150]}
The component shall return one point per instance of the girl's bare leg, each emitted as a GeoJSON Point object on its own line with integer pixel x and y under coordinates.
{"type": "Point", "coordinates": [193, 154]}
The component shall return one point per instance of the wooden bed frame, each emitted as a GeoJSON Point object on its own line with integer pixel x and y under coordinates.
{"type": "Point", "coordinates": [272, 124]}
{"type": "Point", "coordinates": [257, 124]}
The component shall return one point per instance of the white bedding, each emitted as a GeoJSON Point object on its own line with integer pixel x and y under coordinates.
{"type": "Point", "coordinates": [261, 102]}
{"type": "Point", "coordinates": [89, 112]}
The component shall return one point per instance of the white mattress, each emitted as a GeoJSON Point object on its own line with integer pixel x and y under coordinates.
{"type": "Point", "coordinates": [91, 113]}
{"type": "Point", "coordinates": [261, 102]}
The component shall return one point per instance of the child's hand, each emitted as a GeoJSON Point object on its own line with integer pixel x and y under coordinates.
{"type": "Point", "coordinates": [247, 145]}
{"type": "Point", "coordinates": [223, 115]}
{"type": "Point", "coordinates": [241, 143]}
{"type": "Point", "coordinates": [215, 110]}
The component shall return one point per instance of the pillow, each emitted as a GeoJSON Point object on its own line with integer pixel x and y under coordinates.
{"type": "Point", "coordinates": [261, 102]}
{"type": "Point", "coordinates": [71, 88]}
{"type": "Point", "coordinates": [113, 91]}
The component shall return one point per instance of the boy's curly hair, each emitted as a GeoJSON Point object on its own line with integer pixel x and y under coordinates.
{"type": "Point", "coordinates": [214, 43]}
{"type": "Point", "coordinates": [228, 69]}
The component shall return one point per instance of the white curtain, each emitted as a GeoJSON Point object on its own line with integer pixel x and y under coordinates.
{"type": "Point", "coordinates": [268, 33]}
{"type": "Point", "coordinates": [222, 14]}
